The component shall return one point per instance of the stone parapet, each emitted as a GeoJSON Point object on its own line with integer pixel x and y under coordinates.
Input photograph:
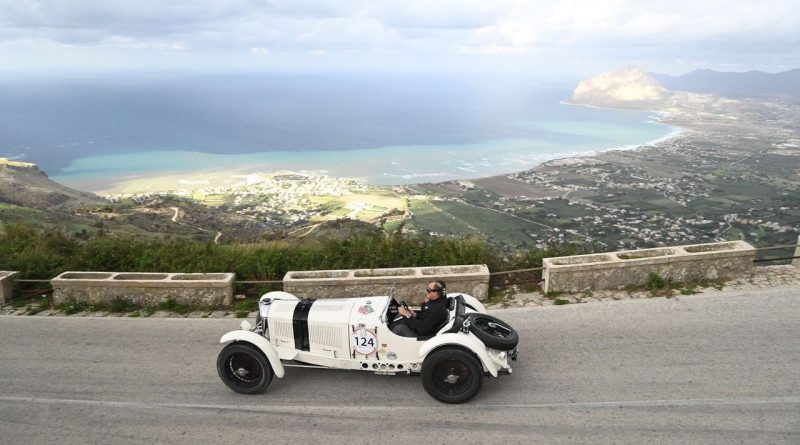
{"type": "Point", "coordinates": [145, 289]}
{"type": "Point", "coordinates": [616, 270]}
{"type": "Point", "coordinates": [6, 285]}
{"type": "Point", "coordinates": [404, 283]}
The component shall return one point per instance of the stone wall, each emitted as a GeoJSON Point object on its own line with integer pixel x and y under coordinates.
{"type": "Point", "coordinates": [616, 270]}
{"type": "Point", "coordinates": [145, 289]}
{"type": "Point", "coordinates": [6, 285]}
{"type": "Point", "coordinates": [404, 283]}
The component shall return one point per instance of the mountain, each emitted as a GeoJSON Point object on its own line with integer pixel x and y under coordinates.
{"type": "Point", "coordinates": [23, 184]}
{"type": "Point", "coordinates": [748, 84]}
{"type": "Point", "coordinates": [627, 87]}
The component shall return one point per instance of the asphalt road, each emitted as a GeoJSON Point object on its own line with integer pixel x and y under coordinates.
{"type": "Point", "coordinates": [722, 368]}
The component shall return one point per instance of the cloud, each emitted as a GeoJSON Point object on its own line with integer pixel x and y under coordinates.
{"type": "Point", "coordinates": [144, 18]}
{"type": "Point", "coordinates": [441, 14]}
{"type": "Point", "coordinates": [429, 28]}
{"type": "Point", "coordinates": [492, 49]}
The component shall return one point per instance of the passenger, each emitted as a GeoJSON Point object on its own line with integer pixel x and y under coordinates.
{"type": "Point", "coordinates": [431, 315]}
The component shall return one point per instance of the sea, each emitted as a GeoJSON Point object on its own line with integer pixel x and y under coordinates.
{"type": "Point", "coordinates": [90, 132]}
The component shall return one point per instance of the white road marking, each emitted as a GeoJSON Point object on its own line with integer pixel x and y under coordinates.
{"type": "Point", "coordinates": [290, 408]}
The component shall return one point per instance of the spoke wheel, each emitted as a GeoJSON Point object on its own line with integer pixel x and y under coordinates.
{"type": "Point", "coordinates": [244, 369]}
{"type": "Point", "coordinates": [452, 375]}
{"type": "Point", "coordinates": [493, 332]}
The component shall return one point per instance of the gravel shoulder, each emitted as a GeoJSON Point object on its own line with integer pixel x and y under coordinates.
{"type": "Point", "coordinates": [761, 277]}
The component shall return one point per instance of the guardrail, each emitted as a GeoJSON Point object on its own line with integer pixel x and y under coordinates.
{"type": "Point", "coordinates": [616, 270]}
{"type": "Point", "coordinates": [145, 289]}
{"type": "Point", "coordinates": [9, 280]}
{"type": "Point", "coordinates": [405, 283]}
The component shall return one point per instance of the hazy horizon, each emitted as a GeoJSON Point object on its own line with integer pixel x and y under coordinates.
{"type": "Point", "coordinates": [391, 127]}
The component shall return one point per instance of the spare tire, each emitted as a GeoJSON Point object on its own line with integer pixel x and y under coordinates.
{"type": "Point", "coordinates": [493, 332]}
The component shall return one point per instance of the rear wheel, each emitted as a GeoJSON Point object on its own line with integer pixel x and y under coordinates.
{"type": "Point", "coordinates": [244, 369]}
{"type": "Point", "coordinates": [452, 375]}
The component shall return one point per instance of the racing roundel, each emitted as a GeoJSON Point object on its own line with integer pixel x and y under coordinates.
{"type": "Point", "coordinates": [364, 341]}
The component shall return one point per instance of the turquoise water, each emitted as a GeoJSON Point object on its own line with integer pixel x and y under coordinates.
{"type": "Point", "coordinates": [392, 165]}
{"type": "Point", "coordinates": [92, 133]}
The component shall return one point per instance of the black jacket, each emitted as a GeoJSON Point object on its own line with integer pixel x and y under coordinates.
{"type": "Point", "coordinates": [432, 314]}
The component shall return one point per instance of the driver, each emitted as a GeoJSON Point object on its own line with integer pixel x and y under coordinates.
{"type": "Point", "coordinates": [430, 316]}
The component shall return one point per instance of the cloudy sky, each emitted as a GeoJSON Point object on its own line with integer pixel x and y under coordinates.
{"type": "Point", "coordinates": [536, 36]}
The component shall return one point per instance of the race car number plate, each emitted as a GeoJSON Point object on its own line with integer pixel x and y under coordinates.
{"type": "Point", "coordinates": [364, 341]}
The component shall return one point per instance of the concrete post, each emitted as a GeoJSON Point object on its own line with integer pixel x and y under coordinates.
{"type": "Point", "coordinates": [404, 283]}
{"type": "Point", "coordinates": [616, 270]}
{"type": "Point", "coordinates": [6, 285]}
{"type": "Point", "coordinates": [796, 261]}
{"type": "Point", "coordinates": [144, 288]}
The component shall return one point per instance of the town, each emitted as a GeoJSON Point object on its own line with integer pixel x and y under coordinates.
{"type": "Point", "coordinates": [731, 172]}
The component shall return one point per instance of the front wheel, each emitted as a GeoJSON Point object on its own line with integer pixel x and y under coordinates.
{"type": "Point", "coordinates": [452, 375]}
{"type": "Point", "coordinates": [243, 368]}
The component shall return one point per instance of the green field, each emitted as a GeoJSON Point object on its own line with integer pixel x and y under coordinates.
{"type": "Point", "coordinates": [427, 217]}
{"type": "Point", "coordinates": [461, 219]}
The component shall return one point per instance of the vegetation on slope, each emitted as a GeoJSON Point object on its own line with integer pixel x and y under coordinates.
{"type": "Point", "coordinates": [45, 254]}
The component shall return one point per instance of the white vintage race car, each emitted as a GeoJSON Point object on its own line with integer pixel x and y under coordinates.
{"type": "Point", "coordinates": [354, 334]}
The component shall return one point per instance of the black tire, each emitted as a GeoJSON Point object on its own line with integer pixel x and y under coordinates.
{"type": "Point", "coordinates": [493, 332]}
{"type": "Point", "coordinates": [452, 375]}
{"type": "Point", "coordinates": [244, 369]}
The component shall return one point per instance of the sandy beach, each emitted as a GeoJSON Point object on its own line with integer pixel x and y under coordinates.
{"type": "Point", "coordinates": [174, 181]}
{"type": "Point", "coordinates": [160, 182]}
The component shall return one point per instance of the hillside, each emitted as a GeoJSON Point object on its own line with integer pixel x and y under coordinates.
{"type": "Point", "coordinates": [29, 197]}
{"type": "Point", "coordinates": [748, 84]}
{"type": "Point", "coordinates": [23, 184]}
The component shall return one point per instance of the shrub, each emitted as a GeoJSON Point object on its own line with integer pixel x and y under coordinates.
{"type": "Point", "coordinates": [655, 282]}
{"type": "Point", "coordinates": [174, 306]}
{"type": "Point", "coordinates": [74, 306]}
{"type": "Point", "coordinates": [552, 294]}
{"type": "Point", "coordinates": [244, 307]}
{"type": "Point", "coordinates": [40, 254]}
{"type": "Point", "coordinates": [120, 304]}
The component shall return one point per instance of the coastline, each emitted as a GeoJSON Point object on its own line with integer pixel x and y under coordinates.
{"type": "Point", "coordinates": [690, 180]}
{"type": "Point", "coordinates": [214, 178]}
{"type": "Point", "coordinates": [675, 132]}
{"type": "Point", "coordinates": [175, 181]}
{"type": "Point", "coordinates": [172, 181]}
{"type": "Point", "coordinates": [526, 145]}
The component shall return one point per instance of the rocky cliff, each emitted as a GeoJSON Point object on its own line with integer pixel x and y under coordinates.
{"type": "Point", "coordinates": [627, 87]}
{"type": "Point", "coordinates": [23, 184]}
